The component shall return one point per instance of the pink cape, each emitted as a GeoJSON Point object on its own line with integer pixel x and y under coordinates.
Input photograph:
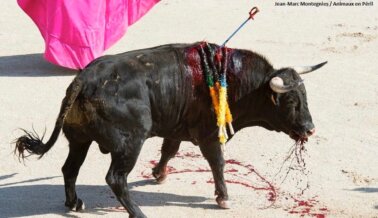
{"type": "Point", "coordinates": [78, 31]}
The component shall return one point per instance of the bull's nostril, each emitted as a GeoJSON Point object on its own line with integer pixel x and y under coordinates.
{"type": "Point", "coordinates": [311, 132]}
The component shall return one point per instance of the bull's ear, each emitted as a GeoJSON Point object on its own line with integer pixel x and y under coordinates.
{"type": "Point", "coordinates": [278, 86]}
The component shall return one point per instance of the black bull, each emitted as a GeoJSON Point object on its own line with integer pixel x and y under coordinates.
{"type": "Point", "coordinates": [121, 100]}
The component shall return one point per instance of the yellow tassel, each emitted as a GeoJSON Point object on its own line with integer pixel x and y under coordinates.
{"type": "Point", "coordinates": [222, 140]}
{"type": "Point", "coordinates": [221, 118]}
{"type": "Point", "coordinates": [224, 130]}
{"type": "Point", "coordinates": [222, 106]}
{"type": "Point", "coordinates": [229, 119]}
{"type": "Point", "coordinates": [214, 98]}
{"type": "Point", "coordinates": [228, 114]}
{"type": "Point", "coordinates": [222, 110]}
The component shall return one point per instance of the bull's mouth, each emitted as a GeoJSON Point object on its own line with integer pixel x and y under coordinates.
{"type": "Point", "coordinates": [299, 138]}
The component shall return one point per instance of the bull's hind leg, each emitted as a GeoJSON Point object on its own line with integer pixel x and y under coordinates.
{"type": "Point", "coordinates": [213, 154]}
{"type": "Point", "coordinates": [168, 151]}
{"type": "Point", "coordinates": [78, 152]}
{"type": "Point", "coordinates": [123, 161]}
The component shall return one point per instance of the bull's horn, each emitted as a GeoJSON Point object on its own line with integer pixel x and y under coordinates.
{"type": "Point", "coordinates": [277, 85]}
{"type": "Point", "coordinates": [308, 69]}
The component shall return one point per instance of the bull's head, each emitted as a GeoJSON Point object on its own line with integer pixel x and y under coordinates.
{"type": "Point", "coordinates": [288, 103]}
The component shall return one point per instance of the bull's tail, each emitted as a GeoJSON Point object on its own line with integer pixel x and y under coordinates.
{"type": "Point", "coordinates": [32, 143]}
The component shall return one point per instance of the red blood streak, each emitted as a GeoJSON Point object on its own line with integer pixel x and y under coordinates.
{"type": "Point", "coordinates": [193, 62]}
{"type": "Point", "coordinates": [272, 196]}
{"type": "Point", "coordinates": [302, 207]}
{"type": "Point", "coordinates": [305, 204]}
{"type": "Point", "coordinates": [145, 175]}
{"type": "Point", "coordinates": [272, 191]}
{"type": "Point", "coordinates": [170, 169]}
{"type": "Point", "coordinates": [308, 208]}
{"type": "Point", "coordinates": [154, 162]}
{"type": "Point", "coordinates": [194, 66]}
{"type": "Point", "coordinates": [271, 188]}
{"type": "Point", "coordinates": [199, 170]}
{"type": "Point", "coordinates": [231, 161]}
{"type": "Point", "coordinates": [231, 171]}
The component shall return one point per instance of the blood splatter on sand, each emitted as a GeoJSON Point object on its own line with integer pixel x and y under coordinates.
{"type": "Point", "coordinates": [307, 208]}
{"type": "Point", "coordinates": [238, 171]}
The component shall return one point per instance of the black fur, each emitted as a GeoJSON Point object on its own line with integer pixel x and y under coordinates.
{"type": "Point", "coordinates": [121, 100]}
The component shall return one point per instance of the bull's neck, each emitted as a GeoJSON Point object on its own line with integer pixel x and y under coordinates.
{"type": "Point", "coordinates": [249, 76]}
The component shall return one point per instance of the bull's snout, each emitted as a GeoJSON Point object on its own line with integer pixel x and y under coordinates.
{"type": "Point", "coordinates": [305, 130]}
{"type": "Point", "coordinates": [310, 129]}
{"type": "Point", "coordinates": [310, 132]}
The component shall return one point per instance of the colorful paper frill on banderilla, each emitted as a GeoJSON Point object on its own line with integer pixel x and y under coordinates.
{"type": "Point", "coordinates": [215, 68]}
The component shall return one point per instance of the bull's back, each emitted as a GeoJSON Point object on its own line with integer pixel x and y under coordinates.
{"type": "Point", "coordinates": [156, 78]}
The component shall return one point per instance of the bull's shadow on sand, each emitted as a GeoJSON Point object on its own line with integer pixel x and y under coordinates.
{"type": "Point", "coordinates": [43, 199]}
{"type": "Point", "coordinates": [31, 65]}
{"type": "Point", "coordinates": [366, 190]}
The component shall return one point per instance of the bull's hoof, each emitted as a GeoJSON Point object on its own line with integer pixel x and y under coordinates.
{"type": "Point", "coordinates": [224, 204]}
{"type": "Point", "coordinates": [78, 206]}
{"type": "Point", "coordinates": [159, 175]}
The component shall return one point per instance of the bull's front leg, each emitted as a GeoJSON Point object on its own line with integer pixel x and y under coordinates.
{"type": "Point", "coordinates": [213, 154]}
{"type": "Point", "coordinates": [168, 151]}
